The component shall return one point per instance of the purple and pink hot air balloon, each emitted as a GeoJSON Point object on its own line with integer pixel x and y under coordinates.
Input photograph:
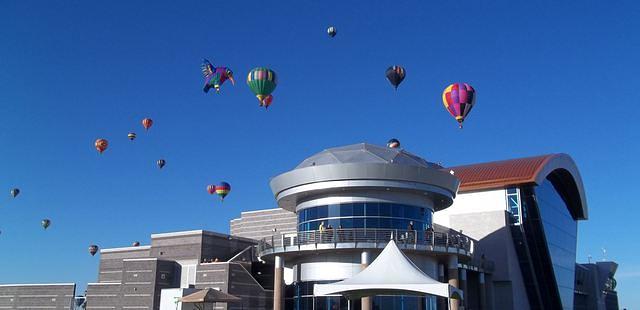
{"type": "Point", "coordinates": [458, 99]}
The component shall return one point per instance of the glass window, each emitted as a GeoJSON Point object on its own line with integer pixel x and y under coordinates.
{"type": "Point", "coordinates": [373, 222]}
{"type": "Point", "coordinates": [323, 212]}
{"type": "Point", "coordinates": [371, 209]}
{"type": "Point", "coordinates": [358, 223]}
{"type": "Point", "coordinates": [358, 209]}
{"type": "Point", "coordinates": [397, 211]}
{"type": "Point", "coordinates": [312, 214]}
{"type": "Point", "coordinates": [385, 223]}
{"type": "Point", "coordinates": [346, 223]}
{"type": "Point", "coordinates": [412, 212]}
{"type": "Point", "coordinates": [385, 209]}
{"type": "Point", "coordinates": [346, 209]}
{"type": "Point", "coordinates": [334, 210]}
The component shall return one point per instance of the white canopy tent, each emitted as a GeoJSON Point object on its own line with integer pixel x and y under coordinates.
{"type": "Point", "coordinates": [391, 273]}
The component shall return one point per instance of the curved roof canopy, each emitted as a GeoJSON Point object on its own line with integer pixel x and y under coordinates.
{"type": "Point", "coordinates": [391, 273]}
{"type": "Point", "coordinates": [560, 169]}
{"type": "Point", "coordinates": [364, 167]}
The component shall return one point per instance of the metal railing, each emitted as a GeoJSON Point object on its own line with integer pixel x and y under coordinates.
{"type": "Point", "coordinates": [367, 235]}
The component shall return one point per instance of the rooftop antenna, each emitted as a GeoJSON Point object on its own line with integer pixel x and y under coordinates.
{"type": "Point", "coordinates": [589, 258]}
{"type": "Point", "coordinates": [604, 254]}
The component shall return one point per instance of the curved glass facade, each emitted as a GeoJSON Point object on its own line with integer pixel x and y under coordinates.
{"type": "Point", "coordinates": [560, 230]}
{"type": "Point", "coordinates": [365, 215]}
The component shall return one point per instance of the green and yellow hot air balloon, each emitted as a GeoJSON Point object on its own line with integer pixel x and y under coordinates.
{"type": "Point", "coordinates": [263, 82]}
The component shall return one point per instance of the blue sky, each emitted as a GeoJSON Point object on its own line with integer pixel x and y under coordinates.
{"type": "Point", "coordinates": [550, 76]}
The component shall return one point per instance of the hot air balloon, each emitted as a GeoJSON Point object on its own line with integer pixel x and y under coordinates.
{"type": "Point", "coordinates": [93, 249]}
{"type": "Point", "coordinates": [135, 243]}
{"type": "Point", "coordinates": [331, 31]}
{"type": "Point", "coordinates": [146, 123]}
{"type": "Point", "coordinates": [223, 189]}
{"type": "Point", "coordinates": [15, 192]}
{"type": "Point", "coordinates": [215, 76]}
{"type": "Point", "coordinates": [101, 145]}
{"type": "Point", "coordinates": [211, 189]}
{"type": "Point", "coordinates": [263, 82]}
{"type": "Point", "coordinates": [458, 99]}
{"type": "Point", "coordinates": [267, 101]}
{"type": "Point", "coordinates": [132, 136]}
{"type": "Point", "coordinates": [395, 75]}
{"type": "Point", "coordinates": [161, 163]}
{"type": "Point", "coordinates": [45, 223]}
{"type": "Point", "coordinates": [393, 143]}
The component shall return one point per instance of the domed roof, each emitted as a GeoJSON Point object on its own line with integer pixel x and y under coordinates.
{"type": "Point", "coordinates": [365, 153]}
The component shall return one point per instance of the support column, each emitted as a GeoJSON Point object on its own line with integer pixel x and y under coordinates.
{"type": "Point", "coordinates": [453, 280]}
{"type": "Point", "coordinates": [442, 302]}
{"type": "Point", "coordinates": [483, 292]}
{"type": "Point", "coordinates": [463, 286]}
{"type": "Point", "coordinates": [365, 260]}
{"type": "Point", "coordinates": [278, 284]}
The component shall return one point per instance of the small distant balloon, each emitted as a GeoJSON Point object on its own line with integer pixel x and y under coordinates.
{"type": "Point", "coordinates": [223, 189]}
{"type": "Point", "coordinates": [135, 243]}
{"type": "Point", "coordinates": [395, 75]}
{"type": "Point", "coordinates": [93, 249]}
{"type": "Point", "coordinates": [15, 192]}
{"type": "Point", "coordinates": [45, 223]}
{"type": "Point", "coordinates": [267, 101]}
{"type": "Point", "coordinates": [132, 136]}
{"type": "Point", "coordinates": [147, 123]}
{"type": "Point", "coordinates": [101, 145]}
{"type": "Point", "coordinates": [331, 31]}
{"type": "Point", "coordinates": [161, 163]}
{"type": "Point", "coordinates": [393, 143]}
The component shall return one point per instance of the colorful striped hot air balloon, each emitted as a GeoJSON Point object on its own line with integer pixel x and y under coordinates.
{"type": "Point", "coordinates": [263, 82]}
{"type": "Point", "coordinates": [45, 223]}
{"type": "Point", "coordinates": [395, 75]}
{"type": "Point", "coordinates": [161, 163]}
{"type": "Point", "coordinates": [146, 123]}
{"type": "Point", "coordinates": [459, 99]}
{"type": "Point", "coordinates": [131, 136]}
{"type": "Point", "coordinates": [15, 192]}
{"type": "Point", "coordinates": [101, 145]}
{"type": "Point", "coordinates": [223, 189]}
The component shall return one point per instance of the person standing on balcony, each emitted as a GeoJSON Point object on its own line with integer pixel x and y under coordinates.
{"type": "Point", "coordinates": [321, 230]}
{"type": "Point", "coordinates": [410, 232]}
{"type": "Point", "coordinates": [330, 233]}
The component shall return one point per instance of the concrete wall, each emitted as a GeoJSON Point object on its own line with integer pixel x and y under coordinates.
{"type": "Point", "coordinates": [37, 296]}
{"type": "Point", "coordinates": [260, 224]}
{"type": "Point", "coordinates": [483, 216]}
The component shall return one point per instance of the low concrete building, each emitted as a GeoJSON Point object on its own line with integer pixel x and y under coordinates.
{"type": "Point", "coordinates": [134, 277]}
{"type": "Point", "coordinates": [37, 296]}
{"type": "Point", "coordinates": [262, 223]}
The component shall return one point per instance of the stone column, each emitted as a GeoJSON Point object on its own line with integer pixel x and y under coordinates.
{"type": "Point", "coordinates": [365, 260]}
{"type": "Point", "coordinates": [278, 284]}
{"type": "Point", "coordinates": [483, 292]}
{"type": "Point", "coordinates": [463, 286]}
{"type": "Point", "coordinates": [453, 280]}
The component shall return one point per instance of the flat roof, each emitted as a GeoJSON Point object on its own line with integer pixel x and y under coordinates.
{"type": "Point", "coordinates": [126, 249]}
{"type": "Point", "coordinates": [37, 284]}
